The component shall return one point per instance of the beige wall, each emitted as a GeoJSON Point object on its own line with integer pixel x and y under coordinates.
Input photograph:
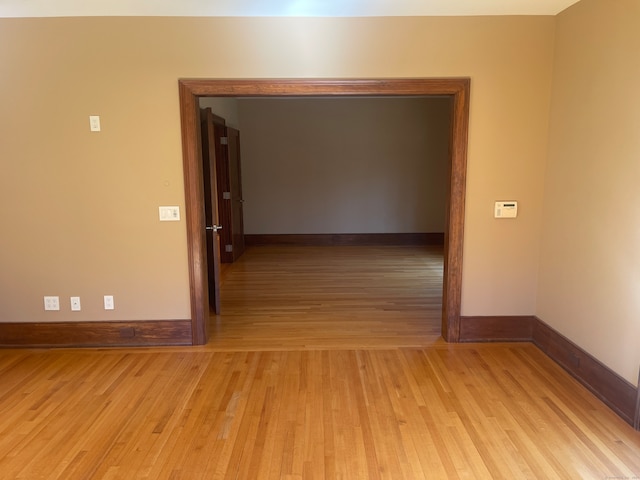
{"type": "Point", "coordinates": [358, 165]}
{"type": "Point", "coordinates": [590, 263]}
{"type": "Point", "coordinates": [80, 209]}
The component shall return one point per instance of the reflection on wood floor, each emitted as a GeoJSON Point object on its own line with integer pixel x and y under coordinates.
{"type": "Point", "coordinates": [331, 297]}
{"type": "Point", "coordinates": [321, 395]}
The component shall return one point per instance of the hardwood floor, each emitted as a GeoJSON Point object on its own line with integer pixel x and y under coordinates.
{"type": "Point", "coordinates": [306, 408]}
{"type": "Point", "coordinates": [331, 297]}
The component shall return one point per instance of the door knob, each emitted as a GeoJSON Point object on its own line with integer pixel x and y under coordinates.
{"type": "Point", "coordinates": [214, 228]}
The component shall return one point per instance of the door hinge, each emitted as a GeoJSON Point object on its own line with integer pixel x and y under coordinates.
{"type": "Point", "coordinates": [228, 248]}
{"type": "Point", "coordinates": [226, 195]}
{"type": "Point", "coordinates": [224, 140]}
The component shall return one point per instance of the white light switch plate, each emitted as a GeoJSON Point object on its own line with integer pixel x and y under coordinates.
{"type": "Point", "coordinates": [169, 214]}
{"type": "Point", "coordinates": [94, 123]}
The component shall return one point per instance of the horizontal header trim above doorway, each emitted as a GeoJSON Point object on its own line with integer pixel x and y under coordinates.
{"type": "Point", "coordinates": [326, 87]}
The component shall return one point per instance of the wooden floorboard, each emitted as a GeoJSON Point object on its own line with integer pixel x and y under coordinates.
{"type": "Point", "coordinates": [278, 297]}
{"type": "Point", "coordinates": [308, 410]}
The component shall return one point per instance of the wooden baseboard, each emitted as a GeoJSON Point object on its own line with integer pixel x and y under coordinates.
{"type": "Point", "coordinates": [496, 329]}
{"type": "Point", "coordinates": [617, 393]}
{"type": "Point", "coordinates": [636, 420]}
{"type": "Point", "coordinates": [345, 239]}
{"type": "Point", "coordinates": [96, 334]}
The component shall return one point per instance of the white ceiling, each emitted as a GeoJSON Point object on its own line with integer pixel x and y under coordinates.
{"type": "Point", "coordinates": [270, 8]}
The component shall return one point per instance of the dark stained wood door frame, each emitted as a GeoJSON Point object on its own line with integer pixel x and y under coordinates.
{"type": "Point", "coordinates": [191, 89]}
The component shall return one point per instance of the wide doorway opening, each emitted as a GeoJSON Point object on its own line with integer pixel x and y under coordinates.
{"type": "Point", "coordinates": [456, 89]}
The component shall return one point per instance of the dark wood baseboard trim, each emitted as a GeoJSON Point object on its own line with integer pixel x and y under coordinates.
{"type": "Point", "coordinates": [96, 334]}
{"type": "Point", "coordinates": [496, 329]}
{"type": "Point", "coordinates": [344, 239]}
{"type": "Point", "coordinates": [636, 420]}
{"type": "Point", "coordinates": [616, 392]}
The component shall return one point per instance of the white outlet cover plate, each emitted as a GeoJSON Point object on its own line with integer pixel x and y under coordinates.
{"type": "Point", "coordinates": [51, 303]}
{"type": "Point", "coordinates": [75, 304]}
{"type": "Point", "coordinates": [108, 302]}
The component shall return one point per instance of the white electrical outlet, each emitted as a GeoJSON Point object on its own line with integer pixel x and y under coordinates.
{"type": "Point", "coordinates": [51, 303]}
{"type": "Point", "coordinates": [108, 302]}
{"type": "Point", "coordinates": [75, 304]}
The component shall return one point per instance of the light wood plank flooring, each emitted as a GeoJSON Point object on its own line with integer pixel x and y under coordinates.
{"type": "Point", "coordinates": [331, 297]}
{"type": "Point", "coordinates": [303, 411]}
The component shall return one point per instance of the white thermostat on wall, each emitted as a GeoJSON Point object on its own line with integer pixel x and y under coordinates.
{"type": "Point", "coordinates": [506, 210]}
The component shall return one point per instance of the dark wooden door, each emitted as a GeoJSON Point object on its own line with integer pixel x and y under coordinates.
{"type": "Point", "coordinates": [230, 201]}
{"type": "Point", "coordinates": [235, 188]}
{"type": "Point", "coordinates": [208, 134]}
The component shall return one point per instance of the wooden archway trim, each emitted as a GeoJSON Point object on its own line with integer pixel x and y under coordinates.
{"type": "Point", "coordinates": [191, 89]}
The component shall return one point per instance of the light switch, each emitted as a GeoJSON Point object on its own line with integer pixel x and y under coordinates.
{"type": "Point", "coordinates": [506, 210]}
{"type": "Point", "coordinates": [169, 214]}
{"type": "Point", "coordinates": [94, 123]}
